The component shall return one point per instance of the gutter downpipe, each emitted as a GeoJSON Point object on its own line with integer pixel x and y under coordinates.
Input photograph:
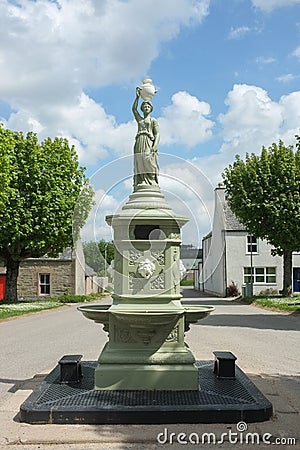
{"type": "Point", "coordinates": [225, 263]}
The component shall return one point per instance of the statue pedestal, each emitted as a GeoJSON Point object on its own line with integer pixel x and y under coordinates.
{"type": "Point", "coordinates": [146, 322]}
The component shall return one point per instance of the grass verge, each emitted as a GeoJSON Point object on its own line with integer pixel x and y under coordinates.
{"type": "Point", "coordinates": [276, 302]}
{"type": "Point", "coordinates": [186, 283]}
{"type": "Point", "coordinates": [21, 307]}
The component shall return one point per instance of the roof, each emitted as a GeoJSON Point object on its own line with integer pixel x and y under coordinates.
{"type": "Point", "coordinates": [190, 252]}
{"type": "Point", "coordinates": [89, 271]}
{"type": "Point", "coordinates": [231, 221]}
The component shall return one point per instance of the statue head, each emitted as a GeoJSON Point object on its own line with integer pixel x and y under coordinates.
{"type": "Point", "coordinates": [146, 103]}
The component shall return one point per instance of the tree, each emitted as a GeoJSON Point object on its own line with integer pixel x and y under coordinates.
{"type": "Point", "coordinates": [107, 249]}
{"type": "Point", "coordinates": [264, 193]}
{"type": "Point", "coordinates": [96, 253]}
{"type": "Point", "coordinates": [41, 184]}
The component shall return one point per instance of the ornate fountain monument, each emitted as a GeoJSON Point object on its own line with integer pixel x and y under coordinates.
{"type": "Point", "coordinates": [146, 373]}
{"type": "Point", "coordinates": [146, 322]}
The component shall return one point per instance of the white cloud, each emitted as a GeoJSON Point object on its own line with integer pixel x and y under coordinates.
{"type": "Point", "coordinates": [286, 78]}
{"type": "Point", "coordinates": [190, 193]}
{"type": "Point", "coordinates": [252, 120]}
{"type": "Point", "coordinates": [184, 121]}
{"type": "Point", "coordinates": [269, 5]}
{"type": "Point", "coordinates": [94, 133]}
{"type": "Point", "coordinates": [84, 123]}
{"type": "Point", "coordinates": [53, 49]}
{"type": "Point", "coordinates": [51, 52]}
{"type": "Point", "coordinates": [290, 105]}
{"type": "Point", "coordinates": [95, 227]}
{"type": "Point", "coordinates": [265, 60]}
{"type": "Point", "coordinates": [251, 114]}
{"type": "Point", "coordinates": [296, 52]}
{"type": "Point", "coordinates": [238, 32]}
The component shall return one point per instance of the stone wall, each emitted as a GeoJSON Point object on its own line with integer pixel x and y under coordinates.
{"type": "Point", "coordinates": [62, 276]}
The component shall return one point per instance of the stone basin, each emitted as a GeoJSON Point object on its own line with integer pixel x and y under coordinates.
{"type": "Point", "coordinates": [98, 313]}
{"type": "Point", "coordinates": [136, 318]}
{"type": "Point", "coordinates": [194, 313]}
{"type": "Point", "coordinates": [147, 318]}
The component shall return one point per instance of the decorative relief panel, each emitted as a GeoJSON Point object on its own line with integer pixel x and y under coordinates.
{"type": "Point", "coordinates": [134, 255]}
{"type": "Point", "coordinates": [124, 335]}
{"type": "Point", "coordinates": [174, 236]}
{"type": "Point", "coordinates": [159, 282]}
{"type": "Point", "coordinates": [159, 256]}
{"type": "Point", "coordinates": [174, 335]}
{"type": "Point", "coordinates": [136, 283]}
{"type": "Point", "coordinates": [146, 336]}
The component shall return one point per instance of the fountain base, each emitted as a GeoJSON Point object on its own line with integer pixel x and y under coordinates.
{"type": "Point", "coordinates": [175, 377]}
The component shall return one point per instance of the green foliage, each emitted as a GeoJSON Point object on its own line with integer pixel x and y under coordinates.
{"type": "Point", "coordinates": [186, 283]}
{"type": "Point", "coordinates": [19, 308]}
{"type": "Point", "coordinates": [44, 184]}
{"type": "Point", "coordinates": [92, 255]}
{"type": "Point", "coordinates": [95, 253]}
{"type": "Point", "coordinates": [68, 298]}
{"type": "Point", "coordinates": [264, 194]}
{"type": "Point", "coordinates": [107, 249]}
{"type": "Point", "coordinates": [276, 303]}
{"type": "Point", "coordinates": [40, 187]}
{"type": "Point", "coordinates": [6, 150]}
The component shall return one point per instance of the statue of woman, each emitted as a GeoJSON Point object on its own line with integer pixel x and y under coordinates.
{"type": "Point", "coordinates": [146, 146]}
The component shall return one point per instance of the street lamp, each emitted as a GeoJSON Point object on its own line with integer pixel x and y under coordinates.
{"type": "Point", "coordinates": [105, 256]}
{"type": "Point", "coordinates": [251, 265]}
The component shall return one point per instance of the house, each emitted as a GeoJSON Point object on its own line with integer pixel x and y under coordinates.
{"type": "Point", "coordinates": [231, 254]}
{"type": "Point", "coordinates": [52, 277]}
{"type": "Point", "coordinates": [190, 256]}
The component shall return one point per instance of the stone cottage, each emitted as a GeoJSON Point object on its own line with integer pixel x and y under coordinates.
{"type": "Point", "coordinates": [52, 277]}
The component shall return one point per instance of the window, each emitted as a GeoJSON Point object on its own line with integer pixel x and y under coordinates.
{"type": "Point", "coordinates": [44, 284]}
{"type": "Point", "coordinates": [266, 275]}
{"type": "Point", "coordinates": [252, 244]}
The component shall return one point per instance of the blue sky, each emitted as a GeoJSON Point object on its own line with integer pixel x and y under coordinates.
{"type": "Point", "coordinates": [227, 74]}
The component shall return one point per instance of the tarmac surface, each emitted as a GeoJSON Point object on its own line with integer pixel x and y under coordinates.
{"type": "Point", "coordinates": [266, 344]}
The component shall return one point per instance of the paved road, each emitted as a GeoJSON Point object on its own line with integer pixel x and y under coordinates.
{"type": "Point", "coordinates": [265, 342]}
{"type": "Point", "coordinates": [266, 345]}
{"type": "Point", "coordinates": [34, 343]}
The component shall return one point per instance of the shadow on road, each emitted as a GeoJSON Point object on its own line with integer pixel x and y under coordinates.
{"type": "Point", "coordinates": [27, 384]}
{"type": "Point", "coordinates": [259, 321]}
{"type": "Point", "coordinates": [264, 320]}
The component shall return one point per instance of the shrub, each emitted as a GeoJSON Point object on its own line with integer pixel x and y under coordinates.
{"type": "Point", "coordinates": [268, 291]}
{"type": "Point", "coordinates": [232, 290]}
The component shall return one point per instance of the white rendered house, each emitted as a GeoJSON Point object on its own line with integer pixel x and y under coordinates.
{"type": "Point", "coordinates": [231, 254]}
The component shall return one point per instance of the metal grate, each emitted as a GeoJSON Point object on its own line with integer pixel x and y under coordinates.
{"type": "Point", "coordinates": [217, 400]}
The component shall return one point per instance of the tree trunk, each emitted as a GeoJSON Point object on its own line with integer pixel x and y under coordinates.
{"type": "Point", "coordinates": [287, 290]}
{"type": "Point", "coordinates": [12, 272]}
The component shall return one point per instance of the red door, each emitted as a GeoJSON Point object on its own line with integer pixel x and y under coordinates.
{"type": "Point", "coordinates": [2, 286]}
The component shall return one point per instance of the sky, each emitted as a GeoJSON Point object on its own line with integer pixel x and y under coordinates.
{"type": "Point", "coordinates": [227, 75]}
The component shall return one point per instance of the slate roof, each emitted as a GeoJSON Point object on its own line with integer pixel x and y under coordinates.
{"type": "Point", "coordinates": [231, 221]}
{"type": "Point", "coordinates": [89, 271]}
